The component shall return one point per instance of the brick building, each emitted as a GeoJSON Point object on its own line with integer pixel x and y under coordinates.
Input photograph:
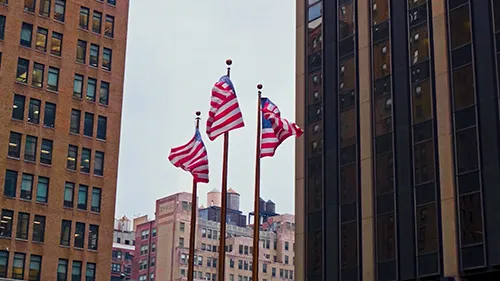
{"type": "Point", "coordinates": [145, 250]}
{"type": "Point", "coordinates": [172, 226]}
{"type": "Point", "coordinates": [61, 77]}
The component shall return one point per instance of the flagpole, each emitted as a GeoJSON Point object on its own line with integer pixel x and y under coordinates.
{"type": "Point", "coordinates": [223, 205]}
{"type": "Point", "coordinates": [256, 212]}
{"type": "Point", "coordinates": [194, 207]}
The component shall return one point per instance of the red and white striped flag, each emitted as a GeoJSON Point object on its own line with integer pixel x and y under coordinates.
{"type": "Point", "coordinates": [192, 157]}
{"type": "Point", "coordinates": [225, 114]}
{"type": "Point", "coordinates": [275, 129]}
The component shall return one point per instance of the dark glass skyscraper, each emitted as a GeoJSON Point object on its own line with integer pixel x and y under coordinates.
{"type": "Point", "coordinates": [398, 175]}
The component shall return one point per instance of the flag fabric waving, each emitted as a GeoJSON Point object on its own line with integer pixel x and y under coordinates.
{"type": "Point", "coordinates": [274, 128]}
{"type": "Point", "coordinates": [192, 157]}
{"type": "Point", "coordinates": [225, 114]}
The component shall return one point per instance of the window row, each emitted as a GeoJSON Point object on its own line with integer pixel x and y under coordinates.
{"type": "Point", "coordinates": [88, 124]}
{"type": "Point", "coordinates": [18, 268]}
{"type": "Point", "coordinates": [144, 277]}
{"type": "Point", "coordinates": [91, 89]}
{"type": "Point", "coordinates": [82, 194]}
{"type": "Point", "coordinates": [26, 190]}
{"type": "Point", "coordinates": [34, 111]}
{"type": "Point", "coordinates": [30, 148]}
{"type": "Point", "coordinates": [208, 247]}
{"type": "Point", "coordinates": [76, 270]}
{"type": "Point", "coordinates": [209, 233]}
{"type": "Point", "coordinates": [85, 163]}
{"type": "Point", "coordinates": [23, 226]}
{"type": "Point", "coordinates": [94, 52]}
{"type": "Point", "coordinates": [143, 264]}
{"type": "Point", "coordinates": [145, 233]}
{"type": "Point", "coordinates": [118, 255]}
{"type": "Point", "coordinates": [79, 235]}
{"type": "Point", "coordinates": [97, 17]}
{"type": "Point", "coordinates": [38, 74]}
{"type": "Point", "coordinates": [198, 260]}
{"type": "Point", "coordinates": [45, 7]}
{"type": "Point", "coordinates": [41, 38]}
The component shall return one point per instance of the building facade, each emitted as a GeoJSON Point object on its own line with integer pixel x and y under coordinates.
{"type": "Point", "coordinates": [144, 263]}
{"type": "Point", "coordinates": [61, 77]}
{"type": "Point", "coordinates": [123, 250]}
{"type": "Point", "coordinates": [397, 175]}
{"type": "Point", "coordinates": [173, 215]}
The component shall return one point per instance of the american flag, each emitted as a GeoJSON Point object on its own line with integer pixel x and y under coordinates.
{"type": "Point", "coordinates": [224, 114]}
{"type": "Point", "coordinates": [192, 157]}
{"type": "Point", "coordinates": [274, 128]}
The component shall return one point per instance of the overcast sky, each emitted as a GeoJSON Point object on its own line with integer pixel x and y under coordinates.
{"type": "Point", "coordinates": [176, 52]}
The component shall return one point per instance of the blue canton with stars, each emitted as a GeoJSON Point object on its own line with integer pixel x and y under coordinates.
{"type": "Point", "coordinates": [266, 123]}
{"type": "Point", "coordinates": [228, 81]}
{"type": "Point", "coordinates": [197, 136]}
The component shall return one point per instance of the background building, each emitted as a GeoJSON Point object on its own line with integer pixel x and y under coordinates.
{"type": "Point", "coordinates": [144, 264]}
{"type": "Point", "coordinates": [397, 175]}
{"type": "Point", "coordinates": [62, 71]}
{"type": "Point", "coordinates": [123, 249]}
{"type": "Point", "coordinates": [172, 228]}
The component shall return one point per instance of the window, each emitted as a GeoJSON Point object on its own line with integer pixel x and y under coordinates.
{"type": "Point", "coordinates": [39, 228]}
{"type": "Point", "coordinates": [82, 197]}
{"type": "Point", "coordinates": [104, 93]}
{"type": "Point", "coordinates": [65, 233]}
{"type": "Point", "coordinates": [4, 262]}
{"type": "Point", "coordinates": [97, 22]}
{"type": "Point", "coordinates": [182, 226]}
{"type": "Point", "coordinates": [72, 157]}
{"type": "Point", "coordinates": [46, 152]}
{"type": "Point", "coordinates": [69, 188]}
{"type": "Point", "coordinates": [95, 205]}
{"type": "Point", "coordinates": [22, 70]}
{"type": "Point", "coordinates": [286, 246]}
{"type": "Point", "coordinates": [29, 5]}
{"type": "Point", "coordinates": [42, 190]}
{"type": "Point", "coordinates": [85, 164]}
{"type": "Point", "coordinates": [18, 107]}
{"type": "Point", "coordinates": [6, 223]}
{"type": "Point", "coordinates": [23, 220]}
{"type": "Point", "coordinates": [59, 10]}
{"type": "Point", "coordinates": [91, 88]}
{"type": "Point", "coordinates": [53, 80]}
{"type": "Point", "coordinates": [144, 249]}
{"type": "Point", "coordinates": [81, 51]}
{"type": "Point", "coordinates": [84, 18]}
{"type": "Point", "coordinates": [18, 266]}
{"type": "Point", "coordinates": [99, 163]}
{"type": "Point", "coordinates": [109, 26]}
{"type": "Point", "coordinates": [27, 186]}
{"type": "Point", "coordinates": [78, 86]}
{"type": "Point", "coordinates": [44, 8]}
{"type": "Point", "coordinates": [41, 39]}
{"type": "Point", "coordinates": [74, 126]}
{"type": "Point", "coordinates": [15, 145]}
{"type": "Point", "coordinates": [30, 148]}
{"type": "Point", "coordinates": [26, 34]}
{"type": "Point", "coordinates": [101, 127]}
{"type": "Point", "coordinates": [62, 270]}
{"type": "Point", "coordinates": [181, 242]}
{"type": "Point", "coordinates": [79, 235]}
{"type": "Point", "coordinates": [264, 267]}
{"type": "Point", "coordinates": [116, 267]}
{"type": "Point", "coordinates": [10, 183]}
{"type": "Point", "coordinates": [56, 44]}
{"type": "Point", "coordinates": [2, 27]}
{"type": "Point", "coordinates": [34, 111]}
{"type": "Point", "coordinates": [49, 116]}
{"type": "Point", "coordinates": [154, 232]}
{"type": "Point", "coordinates": [112, 2]}
{"type": "Point", "coordinates": [76, 271]}
{"type": "Point", "coordinates": [93, 237]}
{"type": "Point", "coordinates": [88, 125]}
{"type": "Point", "coordinates": [94, 55]}
{"type": "Point", "coordinates": [106, 58]}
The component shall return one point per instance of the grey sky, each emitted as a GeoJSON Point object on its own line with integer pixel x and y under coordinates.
{"type": "Point", "coordinates": [176, 52]}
